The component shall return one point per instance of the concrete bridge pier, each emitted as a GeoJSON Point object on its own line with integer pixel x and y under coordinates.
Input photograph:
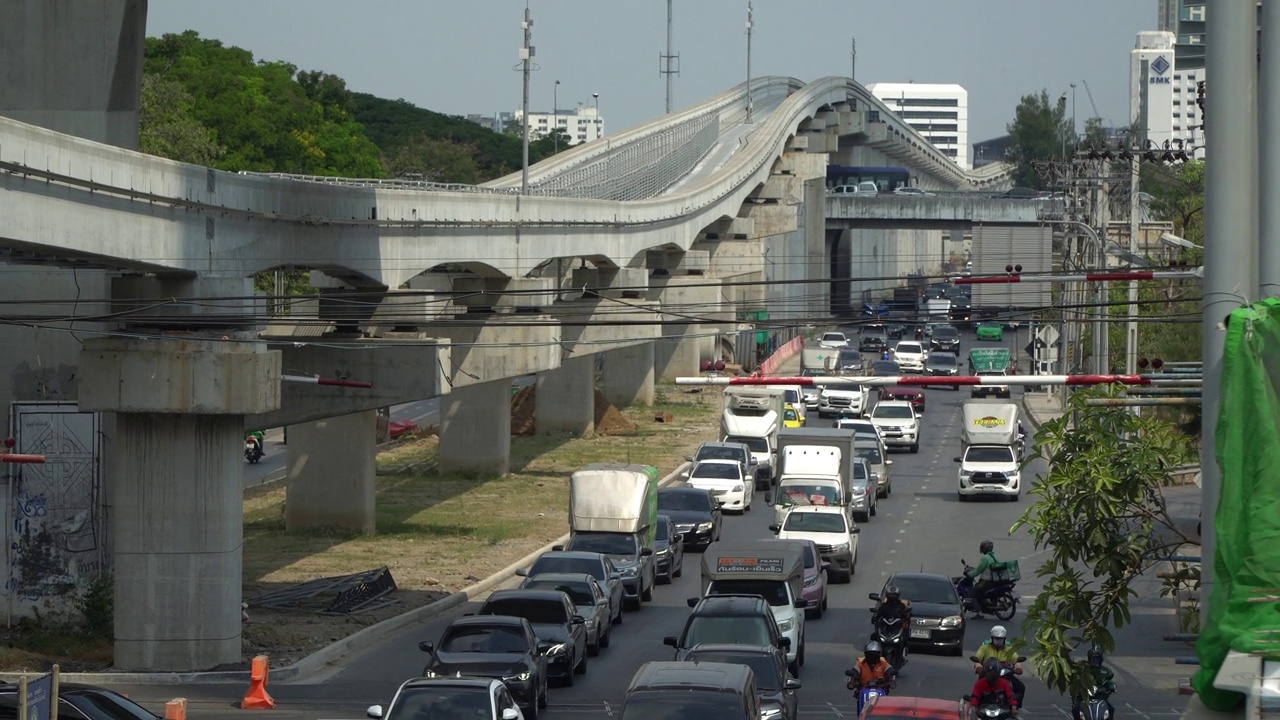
{"type": "Point", "coordinates": [566, 398]}
{"type": "Point", "coordinates": [475, 429]}
{"type": "Point", "coordinates": [680, 282]}
{"type": "Point", "coordinates": [628, 375]}
{"type": "Point", "coordinates": [178, 489]}
{"type": "Point", "coordinates": [332, 464]}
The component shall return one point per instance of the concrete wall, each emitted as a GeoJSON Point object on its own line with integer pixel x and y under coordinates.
{"type": "Point", "coordinates": [74, 66]}
{"type": "Point", "coordinates": [882, 259]}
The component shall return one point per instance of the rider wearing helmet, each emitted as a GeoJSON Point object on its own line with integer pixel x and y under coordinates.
{"type": "Point", "coordinates": [871, 667]}
{"type": "Point", "coordinates": [998, 647]}
{"type": "Point", "coordinates": [991, 689]}
{"type": "Point", "coordinates": [1099, 675]}
{"type": "Point", "coordinates": [983, 573]}
{"type": "Point", "coordinates": [892, 605]}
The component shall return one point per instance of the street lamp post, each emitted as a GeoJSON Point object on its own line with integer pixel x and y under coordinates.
{"type": "Point", "coordinates": [599, 125]}
{"type": "Point", "coordinates": [555, 116]}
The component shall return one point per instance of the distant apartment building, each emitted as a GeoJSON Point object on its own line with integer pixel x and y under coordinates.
{"type": "Point", "coordinates": [1162, 97]}
{"type": "Point", "coordinates": [580, 124]}
{"type": "Point", "coordinates": [940, 113]}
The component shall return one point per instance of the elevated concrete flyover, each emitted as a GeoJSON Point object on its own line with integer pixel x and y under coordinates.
{"type": "Point", "coordinates": [941, 211]}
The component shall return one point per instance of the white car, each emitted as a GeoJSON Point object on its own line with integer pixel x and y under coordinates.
{"type": "Point", "coordinates": [724, 479]}
{"type": "Point", "coordinates": [859, 426]}
{"type": "Point", "coordinates": [481, 698]}
{"type": "Point", "coordinates": [833, 340]}
{"type": "Point", "coordinates": [841, 401]}
{"type": "Point", "coordinates": [831, 530]}
{"type": "Point", "coordinates": [990, 470]}
{"type": "Point", "coordinates": [910, 355]}
{"type": "Point", "coordinates": [898, 424]}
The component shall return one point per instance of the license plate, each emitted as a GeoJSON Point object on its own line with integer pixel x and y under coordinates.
{"type": "Point", "coordinates": [920, 633]}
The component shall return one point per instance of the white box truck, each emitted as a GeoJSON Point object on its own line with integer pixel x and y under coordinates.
{"type": "Point", "coordinates": [991, 450]}
{"type": "Point", "coordinates": [753, 415]}
{"type": "Point", "coordinates": [613, 510]}
{"type": "Point", "coordinates": [811, 475]}
{"type": "Point", "coordinates": [769, 569]}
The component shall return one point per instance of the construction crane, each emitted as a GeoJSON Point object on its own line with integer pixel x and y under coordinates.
{"type": "Point", "coordinates": [1091, 102]}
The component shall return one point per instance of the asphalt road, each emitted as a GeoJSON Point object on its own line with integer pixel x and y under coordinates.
{"type": "Point", "coordinates": [920, 527]}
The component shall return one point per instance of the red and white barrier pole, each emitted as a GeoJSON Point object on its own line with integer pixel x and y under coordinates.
{"type": "Point", "coordinates": [317, 380]}
{"type": "Point", "coordinates": [928, 380]}
{"type": "Point", "coordinates": [21, 458]}
{"type": "Point", "coordinates": [1196, 272]}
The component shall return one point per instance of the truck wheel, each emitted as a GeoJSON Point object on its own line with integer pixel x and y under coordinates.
{"type": "Point", "coordinates": [915, 447]}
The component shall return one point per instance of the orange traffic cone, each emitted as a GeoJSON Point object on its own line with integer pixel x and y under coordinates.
{"type": "Point", "coordinates": [176, 709]}
{"type": "Point", "coordinates": [257, 697]}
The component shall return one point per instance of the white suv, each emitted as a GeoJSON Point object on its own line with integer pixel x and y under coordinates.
{"type": "Point", "coordinates": [833, 340]}
{"type": "Point", "coordinates": [724, 478]}
{"type": "Point", "coordinates": [898, 424]}
{"type": "Point", "coordinates": [842, 401]}
{"type": "Point", "coordinates": [910, 355]}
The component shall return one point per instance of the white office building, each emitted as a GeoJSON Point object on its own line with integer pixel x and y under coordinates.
{"type": "Point", "coordinates": [1162, 98]}
{"type": "Point", "coordinates": [581, 124]}
{"type": "Point", "coordinates": [938, 112]}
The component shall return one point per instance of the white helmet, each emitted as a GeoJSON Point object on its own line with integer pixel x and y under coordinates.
{"type": "Point", "coordinates": [998, 633]}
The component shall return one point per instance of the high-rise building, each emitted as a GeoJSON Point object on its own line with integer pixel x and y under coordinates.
{"type": "Point", "coordinates": [1186, 20]}
{"type": "Point", "coordinates": [579, 125]}
{"type": "Point", "coordinates": [1162, 95]}
{"type": "Point", "coordinates": [940, 113]}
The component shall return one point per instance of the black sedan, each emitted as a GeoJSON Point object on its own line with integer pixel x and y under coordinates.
{"type": "Point", "coordinates": [561, 631]}
{"type": "Point", "coordinates": [886, 368]}
{"type": "Point", "coordinates": [668, 550]}
{"type": "Point", "coordinates": [81, 701]}
{"type": "Point", "coordinates": [596, 565]}
{"type": "Point", "coordinates": [494, 646]}
{"type": "Point", "coordinates": [937, 618]}
{"type": "Point", "coordinates": [695, 513]}
{"type": "Point", "coordinates": [774, 685]}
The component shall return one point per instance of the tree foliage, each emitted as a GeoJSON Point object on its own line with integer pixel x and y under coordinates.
{"type": "Point", "coordinates": [1041, 130]}
{"type": "Point", "coordinates": [166, 127]}
{"type": "Point", "coordinates": [1102, 518]}
{"type": "Point", "coordinates": [434, 160]}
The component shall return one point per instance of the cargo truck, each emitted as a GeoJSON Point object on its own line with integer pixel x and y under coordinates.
{"type": "Point", "coordinates": [991, 450]}
{"type": "Point", "coordinates": [769, 569]}
{"type": "Point", "coordinates": [613, 510]}
{"type": "Point", "coordinates": [752, 416]}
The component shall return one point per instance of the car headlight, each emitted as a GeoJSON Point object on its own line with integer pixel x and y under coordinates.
{"type": "Point", "coordinates": [954, 621]}
{"type": "Point", "coordinates": [738, 488]}
{"type": "Point", "coordinates": [842, 547]}
{"type": "Point", "coordinates": [966, 474]}
{"type": "Point", "coordinates": [810, 582]}
{"type": "Point", "coordinates": [522, 677]}
{"type": "Point", "coordinates": [557, 649]}
{"type": "Point", "coordinates": [786, 625]}
{"type": "Point", "coordinates": [770, 713]}
{"type": "Point", "coordinates": [703, 527]}
{"type": "Point", "coordinates": [629, 571]}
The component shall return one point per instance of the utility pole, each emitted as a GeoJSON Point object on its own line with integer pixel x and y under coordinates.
{"type": "Point", "coordinates": [750, 32]}
{"type": "Point", "coordinates": [1269, 155]}
{"type": "Point", "coordinates": [853, 61]}
{"type": "Point", "coordinates": [1231, 211]}
{"type": "Point", "coordinates": [666, 62]}
{"type": "Point", "coordinates": [555, 116]}
{"type": "Point", "coordinates": [526, 58]}
{"type": "Point", "coordinates": [1135, 218]}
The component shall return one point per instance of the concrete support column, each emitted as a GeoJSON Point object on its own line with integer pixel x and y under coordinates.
{"type": "Point", "coordinates": [475, 429]}
{"type": "Point", "coordinates": [628, 376]}
{"type": "Point", "coordinates": [178, 489]}
{"type": "Point", "coordinates": [331, 469]}
{"type": "Point", "coordinates": [566, 398]}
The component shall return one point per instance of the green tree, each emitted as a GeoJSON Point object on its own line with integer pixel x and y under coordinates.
{"type": "Point", "coordinates": [166, 127]}
{"type": "Point", "coordinates": [434, 161]}
{"type": "Point", "coordinates": [1095, 135]}
{"type": "Point", "coordinates": [1040, 131]}
{"type": "Point", "coordinates": [1101, 517]}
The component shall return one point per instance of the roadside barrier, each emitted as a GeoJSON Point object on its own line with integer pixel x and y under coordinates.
{"type": "Point", "coordinates": [257, 698]}
{"type": "Point", "coordinates": [176, 709]}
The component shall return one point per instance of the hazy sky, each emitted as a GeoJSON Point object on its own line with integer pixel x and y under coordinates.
{"type": "Point", "coordinates": [457, 56]}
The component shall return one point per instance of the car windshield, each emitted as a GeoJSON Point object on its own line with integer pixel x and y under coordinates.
{"type": "Point", "coordinates": [895, 412]}
{"type": "Point", "coordinates": [445, 703]}
{"type": "Point", "coordinates": [870, 454]}
{"type": "Point", "coordinates": [764, 667]}
{"type": "Point", "coordinates": [103, 703]}
{"type": "Point", "coordinates": [807, 372]}
{"type": "Point", "coordinates": [579, 592]}
{"type": "Point", "coordinates": [989, 455]}
{"type": "Point", "coordinates": [850, 357]}
{"type": "Point", "coordinates": [537, 612]}
{"type": "Point", "coordinates": [946, 333]}
{"type": "Point", "coordinates": [587, 566]}
{"type": "Point", "coordinates": [911, 348]}
{"type": "Point", "coordinates": [717, 471]}
{"type": "Point", "coordinates": [604, 543]}
{"type": "Point", "coordinates": [666, 705]}
{"type": "Point", "coordinates": [790, 415]}
{"type": "Point", "coordinates": [660, 532]}
{"type": "Point", "coordinates": [833, 337]}
{"type": "Point", "coordinates": [686, 501]}
{"type": "Point", "coordinates": [718, 452]}
{"type": "Point", "coordinates": [885, 367]}
{"type": "Point", "coordinates": [942, 360]}
{"type": "Point", "coordinates": [860, 471]}
{"type": "Point", "coordinates": [774, 592]}
{"type": "Point", "coordinates": [809, 560]}
{"type": "Point", "coordinates": [926, 590]}
{"type": "Point", "coordinates": [710, 629]}
{"type": "Point", "coordinates": [480, 639]}
{"type": "Point", "coordinates": [756, 444]}
{"type": "Point", "coordinates": [826, 522]}
{"type": "Point", "coordinates": [808, 495]}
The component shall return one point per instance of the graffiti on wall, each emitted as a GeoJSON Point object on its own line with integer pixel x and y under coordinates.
{"type": "Point", "coordinates": [56, 536]}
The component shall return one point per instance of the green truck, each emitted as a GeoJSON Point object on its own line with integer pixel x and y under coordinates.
{"type": "Point", "coordinates": [990, 361]}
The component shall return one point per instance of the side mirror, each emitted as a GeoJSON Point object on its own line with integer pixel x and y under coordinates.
{"type": "Point", "coordinates": [688, 458]}
{"type": "Point", "coordinates": [427, 646]}
{"type": "Point", "coordinates": [776, 528]}
{"type": "Point", "coordinates": [855, 531]}
{"type": "Point", "coordinates": [692, 602]}
{"type": "Point", "coordinates": [848, 673]}
{"type": "Point", "coordinates": [374, 712]}
{"type": "Point", "coordinates": [577, 620]}
{"type": "Point", "coordinates": [874, 597]}
{"type": "Point", "coordinates": [800, 604]}
{"type": "Point", "coordinates": [826, 566]}
{"type": "Point", "coordinates": [646, 552]}
{"type": "Point", "coordinates": [784, 643]}
{"type": "Point", "coordinates": [793, 684]}
{"type": "Point", "coordinates": [888, 462]}
{"type": "Point", "coordinates": [955, 459]}
{"type": "Point", "coordinates": [615, 576]}
{"type": "Point", "coordinates": [511, 714]}
{"type": "Point", "coordinates": [521, 572]}
{"type": "Point", "coordinates": [557, 548]}
{"type": "Point", "coordinates": [670, 641]}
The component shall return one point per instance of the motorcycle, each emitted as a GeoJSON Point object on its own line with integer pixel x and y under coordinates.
{"type": "Point", "coordinates": [875, 688]}
{"type": "Point", "coordinates": [891, 635]}
{"type": "Point", "coordinates": [253, 447]}
{"type": "Point", "coordinates": [1007, 672]}
{"type": "Point", "coordinates": [990, 711]}
{"type": "Point", "coordinates": [1097, 704]}
{"type": "Point", "coordinates": [999, 598]}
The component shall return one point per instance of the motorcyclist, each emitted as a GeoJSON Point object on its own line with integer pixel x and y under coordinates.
{"type": "Point", "coordinates": [991, 689]}
{"type": "Point", "coordinates": [1101, 676]}
{"type": "Point", "coordinates": [982, 573]}
{"type": "Point", "coordinates": [892, 605]}
{"type": "Point", "coordinates": [871, 667]}
{"type": "Point", "coordinates": [999, 648]}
